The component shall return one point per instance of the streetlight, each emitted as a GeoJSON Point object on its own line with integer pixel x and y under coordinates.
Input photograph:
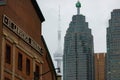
{"type": "Point", "coordinates": [37, 75]}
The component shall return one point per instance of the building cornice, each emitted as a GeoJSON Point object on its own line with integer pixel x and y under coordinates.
{"type": "Point", "coordinates": [38, 11]}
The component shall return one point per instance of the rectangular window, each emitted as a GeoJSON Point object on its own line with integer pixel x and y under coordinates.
{"type": "Point", "coordinates": [2, 2]}
{"type": "Point", "coordinates": [7, 78]}
{"type": "Point", "coordinates": [37, 69]}
{"type": "Point", "coordinates": [36, 74]}
{"type": "Point", "coordinates": [27, 66]}
{"type": "Point", "coordinates": [8, 54]}
{"type": "Point", "coordinates": [20, 61]}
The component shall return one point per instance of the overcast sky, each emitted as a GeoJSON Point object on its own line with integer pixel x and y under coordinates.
{"type": "Point", "coordinates": [97, 13]}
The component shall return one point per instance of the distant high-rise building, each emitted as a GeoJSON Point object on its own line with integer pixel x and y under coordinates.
{"type": "Point", "coordinates": [113, 47]}
{"type": "Point", "coordinates": [78, 49]}
{"type": "Point", "coordinates": [99, 59]}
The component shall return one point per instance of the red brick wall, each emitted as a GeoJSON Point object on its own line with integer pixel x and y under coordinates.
{"type": "Point", "coordinates": [23, 71]}
{"type": "Point", "coordinates": [1, 10]}
{"type": "Point", "coordinates": [47, 66]}
{"type": "Point", "coordinates": [23, 14]}
{"type": "Point", "coordinates": [8, 76]}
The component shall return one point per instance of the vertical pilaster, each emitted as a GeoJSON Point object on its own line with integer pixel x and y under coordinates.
{"type": "Point", "coordinates": [41, 72]}
{"type": "Point", "coordinates": [2, 59]}
{"type": "Point", "coordinates": [33, 66]}
{"type": "Point", "coordinates": [13, 68]}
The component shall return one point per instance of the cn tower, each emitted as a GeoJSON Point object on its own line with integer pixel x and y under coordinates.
{"type": "Point", "coordinates": [58, 52]}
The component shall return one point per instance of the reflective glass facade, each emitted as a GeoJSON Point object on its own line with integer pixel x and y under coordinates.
{"type": "Point", "coordinates": [113, 47]}
{"type": "Point", "coordinates": [78, 51]}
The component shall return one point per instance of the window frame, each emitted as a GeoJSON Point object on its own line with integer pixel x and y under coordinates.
{"type": "Point", "coordinates": [28, 66]}
{"type": "Point", "coordinates": [20, 63]}
{"type": "Point", "coordinates": [8, 51]}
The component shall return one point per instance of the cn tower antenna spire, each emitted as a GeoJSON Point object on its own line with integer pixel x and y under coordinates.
{"type": "Point", "coordinates": [59, 27]}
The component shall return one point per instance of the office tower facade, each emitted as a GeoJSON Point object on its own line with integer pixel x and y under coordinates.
{"type": "Point", "coordinates": [113, 47]}
{"type": "Point", "coordinates": [78, 49]}
{"type": "Point", "coordinates": [99, 59]}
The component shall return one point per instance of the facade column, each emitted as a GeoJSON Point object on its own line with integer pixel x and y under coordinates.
{"type": "Point", "coordinates": [33, 66]}
{"type": "Point", "coordinates": [41, 71]}
{"type": "Point", "coordinates": [13, 68]}
{"type": "Point", "coordinates": [2, 58]}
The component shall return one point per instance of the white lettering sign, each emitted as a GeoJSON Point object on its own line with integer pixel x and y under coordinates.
{"type": "Point", "coordinates": [2, 2]}
{"type": "Point", "coordinates": [13, 27]}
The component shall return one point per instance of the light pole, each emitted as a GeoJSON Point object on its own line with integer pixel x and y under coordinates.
{"type": "Point", "coordinates": [37, 75]}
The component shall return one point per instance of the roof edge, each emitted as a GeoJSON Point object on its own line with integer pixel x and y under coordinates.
{"type": "Point", "coordinates": [49, 56]}
{"type": "Point", "coordinates": [38, 11]}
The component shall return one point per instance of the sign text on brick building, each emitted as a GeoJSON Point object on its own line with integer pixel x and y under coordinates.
{"type": "Point", "coordinates": [13, 27]}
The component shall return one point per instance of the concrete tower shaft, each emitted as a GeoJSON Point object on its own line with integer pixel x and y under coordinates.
{"type": "Point", "coordinates": [58, 53]}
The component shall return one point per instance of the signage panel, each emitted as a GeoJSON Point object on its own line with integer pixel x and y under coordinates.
{"type": "Point", "coordinates": [2, 2]}
{"type": "Point", "coordinates": [18, 31]}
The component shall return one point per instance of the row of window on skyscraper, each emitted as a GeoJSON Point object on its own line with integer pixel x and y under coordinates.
{"type": "Point", "coordinates": [78, 49]}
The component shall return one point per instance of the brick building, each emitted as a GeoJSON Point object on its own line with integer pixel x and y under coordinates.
{"type": "Point", "coordinates": [23, 51]}
{"type": "Point", "coordinates": [99, 66]}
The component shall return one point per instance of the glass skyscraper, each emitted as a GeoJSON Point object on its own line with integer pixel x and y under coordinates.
{"type": "Point", "coordinates": [78, 49]}
{"type": "Point", "coordinates": [113, 47]}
